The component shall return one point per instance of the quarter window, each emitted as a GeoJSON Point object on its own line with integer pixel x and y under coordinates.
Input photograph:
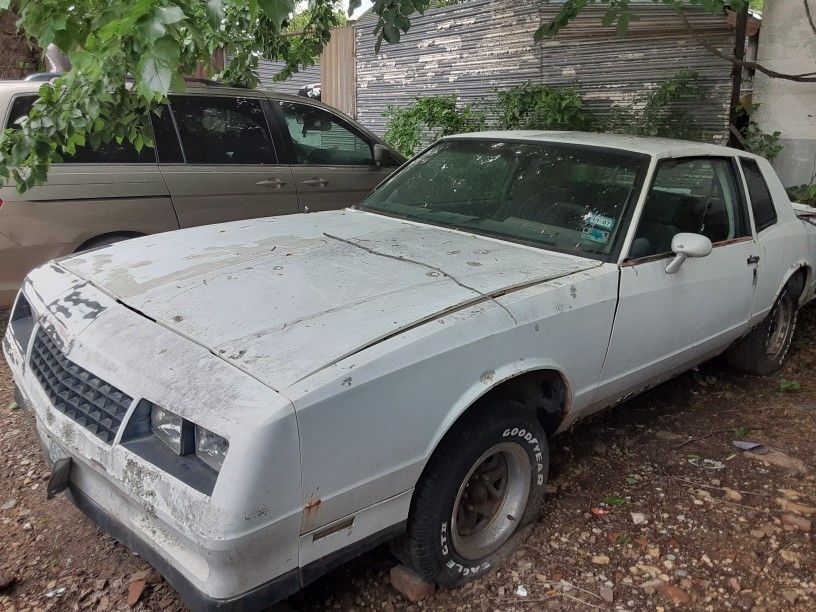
{"type": "Point", "coordinates": [698, 196]}
{"type": "Point", "coordinates": [223, 130]}
{"type": "Point", "coordinates": [109, 153]}
{"type": "Point", "coordinates": [320, 138]}
{"type": "Point", "coordinates": [761, 200]}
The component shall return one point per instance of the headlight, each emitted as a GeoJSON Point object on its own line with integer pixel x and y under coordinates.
{"type": "Point", "coordinates": [186, 438]}
{"type": "Point", "coordinates": [210, 448]}
{"type": "Point", "coordinates": [168, 428]}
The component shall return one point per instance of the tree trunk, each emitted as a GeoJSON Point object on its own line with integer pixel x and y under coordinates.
{"type": "Point", "coordinates": [736, 78]}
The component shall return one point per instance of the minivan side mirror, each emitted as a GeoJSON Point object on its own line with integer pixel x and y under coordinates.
{"type": "Point", "coordinates": [383, 156]}
{"type": "Point", "coordinates": [685, 245]}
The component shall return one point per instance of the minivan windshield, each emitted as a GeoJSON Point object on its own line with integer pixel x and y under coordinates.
{"type": "Point", "coordinates": [566, 197]}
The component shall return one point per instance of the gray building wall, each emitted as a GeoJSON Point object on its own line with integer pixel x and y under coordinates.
{"type": "Point", "coordinates": [472, 49]}
{"type": "Point", "coordinates": [788, 45]}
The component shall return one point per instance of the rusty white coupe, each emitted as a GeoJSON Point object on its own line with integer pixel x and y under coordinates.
{"type": "Point", "coordinates": [250, 404]}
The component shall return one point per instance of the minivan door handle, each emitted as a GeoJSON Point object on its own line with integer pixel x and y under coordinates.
{"type": "Point", "coordinates": [274, 183]}
{"type": "Point", "coordinates": [753, 259]}
{"type": "Point", "coordinates": [315, 182]}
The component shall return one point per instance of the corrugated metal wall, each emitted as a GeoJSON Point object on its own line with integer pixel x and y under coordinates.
{"type": "Point", "coordinates": [474, 48]}
{"type": "Point", "coordinates": [268, 69]}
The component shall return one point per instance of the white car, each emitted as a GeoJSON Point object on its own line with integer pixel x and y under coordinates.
{"type": "Point", "coordinates": [250, 404]}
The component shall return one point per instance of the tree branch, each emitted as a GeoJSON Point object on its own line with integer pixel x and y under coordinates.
{"type": "Point", "coordinates": [809, 16]}
{"type": "Point", "coordinates": [807, 77]}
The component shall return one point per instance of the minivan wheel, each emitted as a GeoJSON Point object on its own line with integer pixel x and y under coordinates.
{"type": "Point", "coordinates": [764, 349]}
{"type": "Point", "coordinates": [478, 496]}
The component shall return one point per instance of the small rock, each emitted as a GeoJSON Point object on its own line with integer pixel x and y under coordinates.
{"type": "Point", "coordinates": [734, 584]}
{"type": "Point", "coordinates": [135, 590]}
{"type": "Point", "coordinates": [790, 506]}
{"type": "Point", "coordinates": [757, 534]}
{"type": "Point", "coordinates": [790, 595]}
{"type": "Point", "coordinates": [678, 596]}
{"type": "Point", "coordinates": [798, 522]}
{"type": "Point", "coordinates": [650, 586]}
{"type": "Point", "coordinates": [521, 591]}
{"type": "Point", "coordinates": [411, 586]}
{"type": "Point", "coordinates": [638, 518]}
{"type": "Point", "coordinates": [600, 560]}
{"type": "Point", "coordinates": [607, 594]}
{"type": "Point", "coordinates": [780, 459]}
{"type": "Point", "coordinates": [9, 504]}
{"type": "Point", "coordinates": [790, 556]}
{"type": "Point", "coordinates": [732, 495]}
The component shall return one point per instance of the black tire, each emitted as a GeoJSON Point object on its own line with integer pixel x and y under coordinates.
{"type": "Point", "coordinates": [764, 349]}
{"type": "Point", "coordinates": [103, 241]}
{"type": "Point", "coordinates": [519, 446]}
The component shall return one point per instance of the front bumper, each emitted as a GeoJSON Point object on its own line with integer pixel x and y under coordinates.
{"type": "Point", "coordinates": [233, 548]}
{"type": "Point", "coordinates": [257, 599]}
{"type": "Point", "coordinates": [181, 560]}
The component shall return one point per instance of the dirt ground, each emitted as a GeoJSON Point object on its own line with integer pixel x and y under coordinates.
{"type": "Point", "coordinates": [651, 507]}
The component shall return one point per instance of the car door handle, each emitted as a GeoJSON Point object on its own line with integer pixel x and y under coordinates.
{"type": "Point", "coordinates": [315, 182]}
{"type": "Point", "coordinates": [274, 183]}
{"type": "Point", "coordinates": [753, 259]}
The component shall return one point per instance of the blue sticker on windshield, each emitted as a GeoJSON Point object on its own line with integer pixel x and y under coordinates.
{"type": "Point", "coordinates": [595, 234]}
{"type": "Point", "coordinates": [600, 221]}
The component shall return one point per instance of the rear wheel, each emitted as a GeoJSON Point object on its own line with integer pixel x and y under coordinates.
{"type": "Point", "coordinates": [103, 241]}
{"type": "Point", "coordinates": [764, 349]}
{"type": "Point", "coordinates": [478, 496]}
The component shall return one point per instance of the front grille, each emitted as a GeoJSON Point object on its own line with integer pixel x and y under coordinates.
{"type": "Point", "coordinates": [96, 405]}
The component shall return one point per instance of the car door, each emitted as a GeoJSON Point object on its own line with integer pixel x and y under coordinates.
{"type": "Point", "coordinates": [231, 168]}
{"type": "Point", "coordinates": [665, 322]}
{"type": "Point", "coordinates": [332, 161]}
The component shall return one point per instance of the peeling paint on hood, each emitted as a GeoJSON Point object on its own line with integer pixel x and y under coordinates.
{"type": "Point", "coordinates": [283, 297]}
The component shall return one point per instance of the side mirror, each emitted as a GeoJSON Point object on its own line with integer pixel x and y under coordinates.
{"type": "Point", "coordinates": [685, 246]}
{"type": "Point", "coordinates": [383, 156]}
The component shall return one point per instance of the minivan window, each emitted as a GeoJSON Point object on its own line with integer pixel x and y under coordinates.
{"type": "Point", "coordinates": [761, 200]}
{"type": "Point", "coordinates": [110, 153]}
{"type": "Point", "coordinates": [222, 130]}
{"type": "Point", "coordinates": [318, 137]}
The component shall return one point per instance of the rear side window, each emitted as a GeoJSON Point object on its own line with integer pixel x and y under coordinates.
{"type": "Point", "coordinates": [223, 130]}
{"type": "Point", "coordinates": [761, 200]}
{"type": "Point", "coordinates": [110, 153]}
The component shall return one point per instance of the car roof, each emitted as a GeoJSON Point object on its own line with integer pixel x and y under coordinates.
{"type": "Point", "coordinates": [12, 86]}
{"type": "Point", "coordinates": [658, 147]}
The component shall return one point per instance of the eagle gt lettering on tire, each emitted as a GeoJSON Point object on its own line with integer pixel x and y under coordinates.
{"type": "Point", "coordinates": [479, 494]}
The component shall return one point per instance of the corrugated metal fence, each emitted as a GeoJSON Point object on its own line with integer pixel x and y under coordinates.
{"type": "Point", "coordinates": [268, 69]}
{"type": "Point", "coordinates": [472, 49]}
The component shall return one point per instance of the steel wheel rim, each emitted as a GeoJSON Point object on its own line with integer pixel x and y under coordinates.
{"type": "Point", "coordinates": [491, 500]}
{"type": "Point", "coordinates": [780, 327]}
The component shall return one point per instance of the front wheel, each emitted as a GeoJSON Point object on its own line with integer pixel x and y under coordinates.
{"type": "Point", "coordinates": [478, 495]}
{"type": "Point", "coordinates": [764, 349]}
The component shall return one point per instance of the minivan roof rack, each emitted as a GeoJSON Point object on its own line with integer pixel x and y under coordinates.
{"type": "Point", "coordinates": [42, 76]}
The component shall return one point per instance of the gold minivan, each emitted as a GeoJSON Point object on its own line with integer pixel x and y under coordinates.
{"type": "Point", "coordinates": [221, 154]}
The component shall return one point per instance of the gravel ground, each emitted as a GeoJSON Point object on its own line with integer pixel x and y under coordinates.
{"type": "Point", "coordinates": [650, 507]}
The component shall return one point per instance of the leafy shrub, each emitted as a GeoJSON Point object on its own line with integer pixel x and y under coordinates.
{"type": "Point", "coordinates": [753, 139]}
{"type": "Point", "coordinates": [804, 194]}
{"type": "Point", "coordinates": [661, 113]}
{"type": "Point", "coordinates": [432, 117]}
{"type": "Point", "coordinates": [541, 107]}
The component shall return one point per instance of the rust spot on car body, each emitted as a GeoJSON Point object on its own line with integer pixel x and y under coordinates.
{"type": "Point", "coordinates": [312, 504]}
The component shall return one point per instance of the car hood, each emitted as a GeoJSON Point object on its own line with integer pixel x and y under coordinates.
{"type": "Point", "coordinates": [284, 297]}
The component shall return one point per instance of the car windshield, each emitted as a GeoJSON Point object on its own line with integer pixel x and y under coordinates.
{"type": "Point", "coordinates": [565, 197]}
